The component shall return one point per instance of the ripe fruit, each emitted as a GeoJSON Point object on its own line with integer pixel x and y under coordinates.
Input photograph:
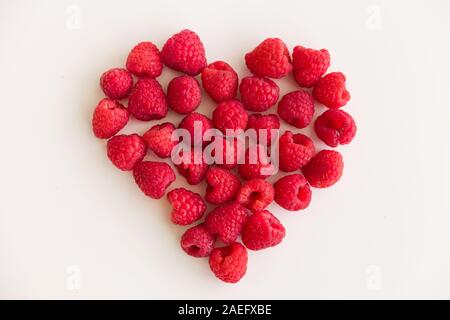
{"type": "Point", "coordinates": [262, 230]}
{"type": "Point", "coordinates": [226, 152]}
{"type": "Point", "coordinates": [187, 206]}
{"type": "Point", "coordinates": [295, 150]}
{"type": "Point", "coordinates": [292, 192]}
{"type": "Point", "coordinates": [255, 194]}
{"type": "Point", "coordinates": [202, 122]}
{"type": "Point", "coordinates": [335, 127]}
{"type": "Point", "coordinates": [230, 115]}
{"type": "Point", "coordinates": [159, 139]}
{"type": "Point", "coordinates": [109, 118]}
{"type": "Point", "coordinates": [222, 185]}
{"type": "Point", "coordinates": [147, 100]}
{"type": "Point", "coordinates": [184, 94]}
{"type": "Point", "coordinates": [220, 81]}
{"type": "Point", "coordinates": [144, 60]}
{"type": "Point", "coordinates": [116, 83]}
{"type": "Point", "coordinates": [192, 166]}
{"type": "Point", "coordinates": [264, 123]}
{"type": "Point", "coordinates": [331, 91]}
{"type": "Point", "coordinates": [125, 151]}
{"type": "Point", "coordinates": [309, 65]}
{"type": "Point", "coordinates": [297, 108]}
{"type": "Point", "coordinates": [153, 178]}
{"type": "Point", "coordinates": [197, 241]}
{"type": "Point", "coordinates": [258, 94]}
{"type": "Point", "coordinates": [257, 164]}
{"type": "Point", "coordinates": [229, 263]}
{"type": "Point", "coordinates": [325, 169]}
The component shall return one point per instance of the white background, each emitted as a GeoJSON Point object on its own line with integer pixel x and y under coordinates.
{"type": "Point", "coordinates": [73, 226]}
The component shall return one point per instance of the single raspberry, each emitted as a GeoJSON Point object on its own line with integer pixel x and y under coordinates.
{"type": "Point", "coordinates": [325, 169]}
{"type": "Point", "coordinates": [262, 230]}
{"type": "Point", "coordinates": [187, 206]}
{"type": "Point", "coordinates": [220, 81]}
{"type": "Point", "coordinates": [193, 120]}
{"type": "Point", "coordinates": [292, 192]}
{"type": "Point", "coordinates": [109, 118]}
{"type": "Point", "coordinates": [256, 164]}
{"type": "Point", "coordinates": [331, 91]}
{"type": "Point", "coordinates": [198, 241]}
{"type": "Point", "coordinates": [184, 94]}
{"type": "Point", "coordinates": [309, 65]}
{"type": "Point", "coordinates": [227, 220]}
{"type": "Point", "coordinates": [153, 177]}
{"type": "Point", "coordinates": [159, 139]}
{"type": "Point", "coordinates": [264, 123]}
{"type": "Point", "coordinates": [255, 194]}
{"type": "Point", "coordinates": [192, 166]}
{"type": "Point", "coordinates": [116, 83]}
{"type": "Point", "coordinates": [147, 100]}
{"type": "Point", "coordinates": [258, 94]}
{"type": "Point", "coordinates": [295, 150]}
{"type": "Point", "coordinates": [226, 152]}
{"type": "Point", "coordinates": [335, 127]}
{"type": "Point", "coordinates": [184, 52]}
{"type": "Point", "coordinates": [269, 59]}
{"type": "Point", "coordinates": [229, 263]}
{"type": "Point", "coordinates": [230, 115]}
{"type": "Point", "coordinates": [222, 185]}
{"type": "Point", "coordinates": [297, 108]}
{"type": "Point", "coordinates": [144, 60]}
{"type": "Point", "coordinates": [125, 151]}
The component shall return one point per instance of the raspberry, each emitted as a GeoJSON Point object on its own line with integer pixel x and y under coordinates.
{"type": "Point", "coordinates": [227, 220]}
{"type": "Point", "coordinates": [226, 152]}
{"type": "Point", "coordinates": [292, 192]}
{"type": "Point", "coordinates": [297, 108]}
{"type": "Point", "coordinates": [262, 230]}
{"type": "Point", "coordinates": [159, 139]}
{"type": "Point", "coordinates": [255, 194]}
{"type": "Point", "coordinates": [330, 90]}
{"type": "Point", "coordinates": [197, 241]}
{"type": "Point", "coordinates": [184, 52]}
{"type": "Point", "coordinates": [295, 150]}
{"type": "Point", "coordinates": [309, 65]}
{"type": "Point", "coordinates": [202, 122]}
{"type": "Point", "coordinates": [220, 81]}
{"type": "Point", "coordinates": [147, 100]}
{"type": "Point", "coordinates": [335, 127]}
{"type": "Point", "coordinates": [269, 59]}
{"type": "Point", "coordinates": [192, 166]}
{"type": "Point", "coordinates": [144, 60]}
{"type": "Point", "coordinates": [268, 122]}
{"type": "Point", "coordinates": [230, 115]}
{"type": "Point", "coordinates": [109, 118]}
{"type": "Point", "coordinates": [222, 185]}
{"type": "Point", "coordinates": [325, 169]}
{"type": "Point", "coordinates": [258, 94]}
{"type": "Point", "coordinates": [184, 94]}
{"type": "Point", "coordinates": [229, 263]}
{"type": "Point", "coordinates": [125, 151]}
{"type": "Point", "coordinates": [256, 164]}
{"type": "Point", "coordinates": [116, 83]}
{"type": "Point", "coordinates": [187, 206]}
{"type": "Point", "coordinates": [153, 177]}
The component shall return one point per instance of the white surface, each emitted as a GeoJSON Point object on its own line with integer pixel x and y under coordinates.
{"type": "Point", "coordinates": [72, 226]}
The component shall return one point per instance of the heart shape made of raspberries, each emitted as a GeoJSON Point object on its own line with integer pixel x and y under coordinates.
{"type": "Point", "coordinates": [236, 149]}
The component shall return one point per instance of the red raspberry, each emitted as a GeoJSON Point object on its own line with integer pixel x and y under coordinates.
{"type": "Point", "coordinates": [116, 83]}
{"type": "Point", "coordinates": [262, 230]}
{"type": "Point", "coordinates": [255, 194]}
{"type": "Point", "coordinates": [330, 90]}
{"type": "Point", "coordinates": [184, 94]}
{"type": "Point", "coordinates": [184, 52]}
{"type": "Point", "coordinates": [259, 122]}
{"type": "Point", "coordinates": [202, 121]}
{"type": "Point", "coordinates": [125, 151]}
{"type": "Point", "coordinates": [297, 108]}
{"type": "Point", "coordinates": [222, 185]}
{"type": "Point", "coordinates": [109, 118]}
{"type": "Point", "coordinates": [147, 100]}
{"type": "Point", "coordinates": [220, 81]}
{"type": "Point", "coordinates": [227, 220]}
{"type": "Point", "coordinates": [144, 60]}
{"type": "Point", "coordinates": [159, 139]}
{"type": "Point", "coordinates": [192, 166]}
{"type": "Point", "coordinates": [292, 192]}
{"type": "Point", "coordinates": [198, 241]}
{"type": "Point", "coordinates": [229, 263]}
{"type": "Point", "coordinates": [230, 115]}
{"type": "Point", "coordinates": [295, 150]}
{"type": "Point", "coordinates": [309, 65]}
{"type": "Point", "coordinates": [153, 177]}
{"type": "Point", "coordinates": [269, 59]}
{"type": "Point", "coordinates": [258, 94]}
{"type": "Point", "coordinates": [226, 152]}
{"type": "Point", "coordinates": [256, 164]}
{"type": "Point", "coordinates": [325, 169]}
{"type": "Point", "coordinates": [335, 127]}
{"type": "Point", "coordinates": [187, 206]}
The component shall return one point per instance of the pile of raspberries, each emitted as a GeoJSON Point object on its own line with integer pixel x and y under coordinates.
{"type": "Point", "coordinates": [241, 196]}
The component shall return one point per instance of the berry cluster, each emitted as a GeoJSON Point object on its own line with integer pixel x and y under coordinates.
{"type": "Point", "coordinates": [239, 190]}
